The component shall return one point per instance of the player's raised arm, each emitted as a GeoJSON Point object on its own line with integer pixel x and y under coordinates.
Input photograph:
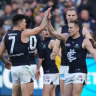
{"type": "Point", "coordinates": [55, 34]}
{"type": "Point", "coordinates": [40, 60]}
{"type": "Point", "coordinates": [30, 32]}
{"type": "Point", "coordinates": [87, 35]}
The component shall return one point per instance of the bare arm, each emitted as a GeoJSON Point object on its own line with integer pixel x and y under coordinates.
{"type": "Point", "coordinates": [86, 33]}
{"type": "Point", "coordinates": [39, 63]}
{"type": "Point", "coordinates": [87, 45]}
{"type": "Point", "coordinates": [40, 59]}
{"type": "Point", "coordinates": [51, 44]}
{"type": "Point", "coordinates": [29, 32]}
{"type": "Point", "coordinates": [38, 68]}
{"type": "Point", "coordinates": [54, 34]}
{"type": "Point", "coordinates": [56, 49]}
{"type": "Point", "coordinates": [2, 50]}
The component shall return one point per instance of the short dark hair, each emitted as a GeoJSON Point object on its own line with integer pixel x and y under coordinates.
{"type": "Point", "coordinates": [77, 23]}
{"type": "Point", "coordinates": [18, 18]}
{"type": "Point", "coordinates": [28, 22]}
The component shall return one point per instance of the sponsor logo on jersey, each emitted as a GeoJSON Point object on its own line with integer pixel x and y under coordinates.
{"type": "Point", "coordinates": [67, 44]}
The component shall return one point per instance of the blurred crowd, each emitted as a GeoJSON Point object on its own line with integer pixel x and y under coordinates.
{"type": "Point", "coordinates": [35, 9]}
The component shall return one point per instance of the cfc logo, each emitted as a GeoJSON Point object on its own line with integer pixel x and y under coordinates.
{"type": "Point", "coordinates": [70, 55]}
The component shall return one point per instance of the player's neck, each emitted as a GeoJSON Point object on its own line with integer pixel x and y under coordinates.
{"type": "Point", "coordinates": [76, 36]}
{"type": "Point", "coordinates": [16, 28]}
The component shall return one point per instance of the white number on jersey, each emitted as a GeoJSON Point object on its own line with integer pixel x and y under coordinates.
{"type": "Point", "coordinates": [12, 44]}
{"type": "Point", "coordinates": [33, 42]}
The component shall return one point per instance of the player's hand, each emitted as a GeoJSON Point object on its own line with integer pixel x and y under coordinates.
{"type": "Point", "coordinates": [35, 53]}
{"type": "Point", "coordinates": [49, 13]}
{"type": "Point", "coordinates": [37, 74]}
{"type": "Point", "coordinates": [53, 55]}
{"type": "Point", "coordinates": [45, 18]}
{"type": "Point", "coordinates": [8, 65]}
{"type": "Point", "coordinates": [9, 59]}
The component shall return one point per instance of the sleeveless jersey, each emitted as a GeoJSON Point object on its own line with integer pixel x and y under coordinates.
{"type": "Point", "coordinates": [17, 51]}
{"type": "Point", "coordinates": [64, 61]}
{"type": "Point", "coordinates": [76, 55]}
{"type": "Point", "coordinates": [34, 42]}
{"type": "Point", "coordinates": [48, 65]}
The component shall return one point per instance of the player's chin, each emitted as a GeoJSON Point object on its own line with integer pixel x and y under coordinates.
{"type": "Point", "coordinates": [47, 36]}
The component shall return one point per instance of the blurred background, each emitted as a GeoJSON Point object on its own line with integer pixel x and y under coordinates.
{"type": "Point", "coordinates": [35, 9]}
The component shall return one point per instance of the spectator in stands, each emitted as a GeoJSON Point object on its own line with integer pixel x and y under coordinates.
{"type": "Point", "coordinates": [15, 7]}
{"type": "Point", "coordinates": [29, 13]}
{"type": "Point", "coordinates": [26, 5]}
{"type": "Point", "coordinates": [38, 20]}
{"type": "Point", "coordinates": [8, 12]}
{"type": "Point", "coordinates": [83, 4]}
{"type": "Point", "coordinates": [58, 22]}
{"type": "Point", "coordinates": [85, 18]}
{"type": "Point", "coordinates": [1, 30]}
{"type": "Point", "coordinates": [20, 11]}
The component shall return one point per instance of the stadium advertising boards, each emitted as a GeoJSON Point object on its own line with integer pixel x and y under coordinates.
{"type": "Point", "coordinates": [6, 82]}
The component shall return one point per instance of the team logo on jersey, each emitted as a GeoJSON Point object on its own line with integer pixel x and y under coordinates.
{"type": "Point", "coordinates": [70, 55]}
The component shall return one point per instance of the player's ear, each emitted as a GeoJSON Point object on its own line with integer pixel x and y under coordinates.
{"type": "Point", "coordinates": [77, 28]}
{"type": "Point", "coordinates": [19, 24]}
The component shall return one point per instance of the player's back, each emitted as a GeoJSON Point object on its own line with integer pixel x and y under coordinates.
{"type": "Point", "coordinates": [17, 50]}
{"type": "Point", "coordinates": [34, 43]}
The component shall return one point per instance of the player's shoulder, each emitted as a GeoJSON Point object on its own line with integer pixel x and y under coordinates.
{"type": "Point", "coordinates": [86, 42]}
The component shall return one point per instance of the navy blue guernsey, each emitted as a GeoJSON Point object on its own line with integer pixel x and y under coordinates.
{"type": "Point", "coordinates": [64, 60]}
{"type": "Point", "coordinates": [34, 42]}
{"type": "Point", "coordinates": [76, 55]}
{"type": "Point", "coordinates": [17, 51]}
{"type": "Point", "coordinates": [48, 65]}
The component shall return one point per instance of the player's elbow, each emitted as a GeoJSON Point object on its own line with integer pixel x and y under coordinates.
{"type": "Point", "coordinates": [95, 59]}
{"type": "Point", "coordinates": [41, 27]}
{"type": "Point", "coordinates": [1, 54]}
{"type": "Point", "coordinates": [94, 56]}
